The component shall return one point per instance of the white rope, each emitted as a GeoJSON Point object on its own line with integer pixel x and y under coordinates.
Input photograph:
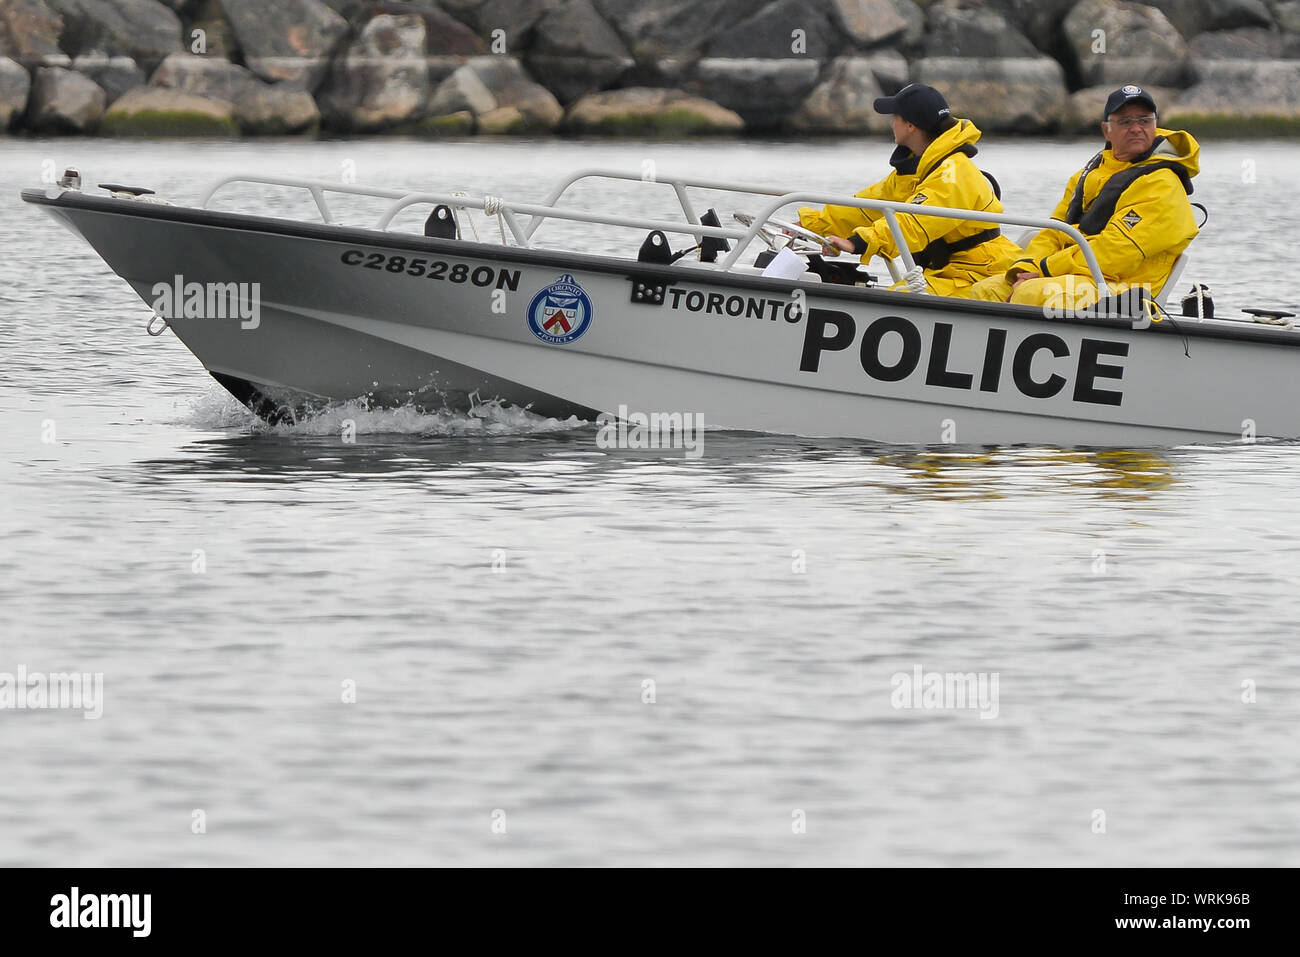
{"type": "Point", "coordinates": [495, 206]}
{"type": "Point", "coordinates": [492, 206]}
{"type": "Point", "coordinates": [456, 210]}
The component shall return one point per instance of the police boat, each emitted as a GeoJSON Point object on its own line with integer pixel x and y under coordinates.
{"type": "Point", "coordinates": [292, 315]}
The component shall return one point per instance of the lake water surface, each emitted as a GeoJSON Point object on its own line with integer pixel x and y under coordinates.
{"type": "Point", "coordinates": [561, 654]}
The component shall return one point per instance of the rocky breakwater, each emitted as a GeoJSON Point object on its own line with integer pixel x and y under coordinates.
{"type": "Point", "coordinates": [633, 67]}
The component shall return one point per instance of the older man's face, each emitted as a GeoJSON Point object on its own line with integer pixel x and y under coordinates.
{"type": "Point", "coordinates": [1131, 130]}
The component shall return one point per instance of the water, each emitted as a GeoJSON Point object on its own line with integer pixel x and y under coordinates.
{"type": "Point", "coordinates": [499, 591]}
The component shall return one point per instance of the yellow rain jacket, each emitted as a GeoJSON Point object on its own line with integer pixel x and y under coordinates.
{"type": "Point", "coordinates": [941, 176]}
{"type": "Point", "coordinates": [1135, 235]}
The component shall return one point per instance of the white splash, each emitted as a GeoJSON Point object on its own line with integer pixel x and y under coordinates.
{"type": "Point", "coordinates": [218, 409]}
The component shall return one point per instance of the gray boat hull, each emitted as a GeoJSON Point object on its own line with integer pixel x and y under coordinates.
{"type": "Point", "coordinates": [394, 317]}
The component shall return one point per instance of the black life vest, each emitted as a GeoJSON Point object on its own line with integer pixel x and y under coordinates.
{"type": "Point", "coordinates": [1099, 213]}
{"type": "Point", "coordinates": [938, 253]}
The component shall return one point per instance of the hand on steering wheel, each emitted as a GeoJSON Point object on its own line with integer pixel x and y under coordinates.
{"type": "Point", "coordinates": [782, 235]}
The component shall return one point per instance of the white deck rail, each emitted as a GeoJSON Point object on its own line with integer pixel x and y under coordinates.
{"type": "Point", "coordinates": [539, 213]}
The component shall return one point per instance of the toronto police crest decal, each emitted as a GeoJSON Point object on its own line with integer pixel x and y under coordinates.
{"type": "Point", "coordinates": [561, 312]}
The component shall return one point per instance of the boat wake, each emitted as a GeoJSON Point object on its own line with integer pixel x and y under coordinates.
{"type": "Point", "coordinates": [217, 409]}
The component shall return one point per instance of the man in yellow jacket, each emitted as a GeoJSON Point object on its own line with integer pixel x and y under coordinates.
{"type": "Point", "coordinates": [932, 167]}
{"type": "Point", "coordinates": [1130, 201]}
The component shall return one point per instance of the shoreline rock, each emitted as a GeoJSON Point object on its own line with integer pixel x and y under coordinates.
{"type": "Point", "coordinates": [15, 85]}
{"type": "Point", "coordinates": [1214, 104]}
{"type": "Point", "coordinates": [842, 103]}
{"type": "Point", "coordinates": [114, 74]}
{"type": "Point", "coordinates": [259, 108]}
{"type": "Point", "coordinates": [483, 88]}
{"type": "Point", "coordinates": [145, 30]}
{"type": "Point", "coordinates": [575, 51]}
{"type": "Point", "coordinates": [459, 67]}
{"type": "Point", "coordinates": [763, 92]}
{"type": "Point", "coordinates": [1010, 95]}
{"type": "Point", "coordinates": [1113, 42]}
{"type": "Point", "coordinates": [63, 101]}
{"type": "Point", "coordinates": [649, 112]}
{"type": "Point", "coordinates": [382, 81]}
{"type": "Point", "coordinates": [150, 111]}
{"type": "Point", "coordinates": [289, 40]}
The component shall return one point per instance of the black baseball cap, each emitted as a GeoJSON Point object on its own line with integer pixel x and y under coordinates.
{"type": "Point", "coordinates": [1124, 96]}
{"type": "Point", "coordinates": [920, 105]}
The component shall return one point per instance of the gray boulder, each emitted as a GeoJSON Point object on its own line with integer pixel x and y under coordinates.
{"type": "Point", "coordinates": [15, 84]}
{"type": "Point", "coordinates": [504, 119]}
{"type": "Point", "coordinates": [575, 51]}
{"type": "Point", "coordinates": [488, 88]}
{"type": "Point", "coordinates": [462, 92]}
{"type": "Point", "coordinates": [144, 30]}
{"type": "Point", "coordinates": [209, 77]}
{"type": "Point", "coordinates": [842, 103]}
{"type": "Point", "coordinates": [444, 34]}
{"type": "Point", "coordinates": [868, 23]}
{"type": "Point", "coordinates": [463, 10]}
{"type": "Point", "coordinates": [517, 19]}
{"type": "Point", "coordinates": [1288, 15]}
{"type": "Point", "coordinates": [1196, 16]}
{"type": "Point", "coordinates": [383, 81]}
{"type": "Point", "coordinates": [64, 102]}
{"type": "Point", "coordinates": [640, 111]}
{"type": "Point", "coordinates": [1214, 104]}
{"type": "Point", "coordinates": [975, 32]}
{"type": "Point", "coordinates": [1114, 42]}
{"type": "Point", "coordinates": [915, 17]}
{"type": "Point", "coordinates": [771, 32]}
{"type": "Point", "coordinates": [674, 29]}
{"type": "Point", "coordinates": [763, 92]}
{"type": "Point", "coordinates": [210, 33]}
{"type": "Point", "coordinates": [889, 68]}
{"type": "Point", "coordinates": [1039, 20]}
{"type": "Point", "coordinates": [259, 108]}
{"type": "Point", "coordinates": [114, 74]}
{"type": "Point", "coordinates": [658, 72]}
{"type": "Point", "coordinates": [1015, 95]}
{"type": "Point", "coordinates": [290, 40]}
{"type": "Point", "coordinates": [152, 111]}
{"type": "Point", "coordinates": [438, 68]}
{"type": "Point", "coordinates": [29, 30]}
{"type": "Point", "coordinates": [1246, 43]}
{"type": "Point", "coordinates": [510, 86]}
{"type": "Point", "coordinates": [276, 110]}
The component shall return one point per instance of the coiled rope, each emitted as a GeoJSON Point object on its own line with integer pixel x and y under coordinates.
{"type": "Point", "coordinates": [492, 206]}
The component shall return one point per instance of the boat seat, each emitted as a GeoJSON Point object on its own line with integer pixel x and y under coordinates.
{"type": "Point", "coordinates": [1161, 298]}
{"type": "Point", "coordinates": [1026, 237]}
{"type": "Point", "coordinates": [1177, 270]}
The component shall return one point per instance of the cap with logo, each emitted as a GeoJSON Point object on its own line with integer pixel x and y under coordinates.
{"type": "Point", "coordinates": [1123, 97]}
{"type": "Point", "coordinates": [920, 105]}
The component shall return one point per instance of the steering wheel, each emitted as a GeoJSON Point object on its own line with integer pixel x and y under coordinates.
{"type": "Point", "coordinates": [782, 235]}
